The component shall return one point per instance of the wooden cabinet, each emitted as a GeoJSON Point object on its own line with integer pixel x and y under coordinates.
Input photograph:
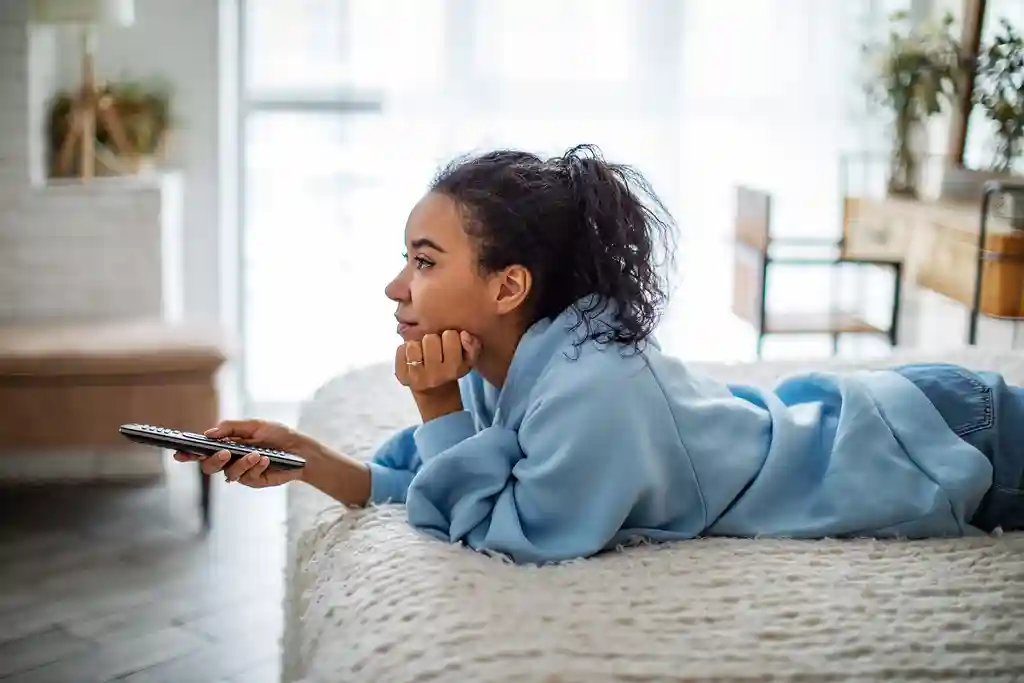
{"type": "Point", "coordinates": [938, 243]}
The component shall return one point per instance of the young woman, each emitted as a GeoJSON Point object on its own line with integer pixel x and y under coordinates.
{"type": "Point", "coordinates": [554, 428]}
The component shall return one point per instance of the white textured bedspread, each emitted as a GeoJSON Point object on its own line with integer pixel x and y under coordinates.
{"type": "Point", "coordinates": [369, 599]}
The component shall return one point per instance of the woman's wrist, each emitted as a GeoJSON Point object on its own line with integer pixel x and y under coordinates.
{"type": "Point", "coordinates": [438, 402]}
{"type": "Point", "coordinates": [341, 477]}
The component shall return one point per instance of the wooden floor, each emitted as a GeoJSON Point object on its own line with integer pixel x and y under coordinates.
{"type": "Point", "coordinates": [117, 583]}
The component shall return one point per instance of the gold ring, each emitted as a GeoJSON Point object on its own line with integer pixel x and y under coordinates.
{"type": "Point", "coordinates": [413, 363]}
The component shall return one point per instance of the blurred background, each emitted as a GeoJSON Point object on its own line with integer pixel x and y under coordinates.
{"type": "Point", "coordinates": [202, 200]}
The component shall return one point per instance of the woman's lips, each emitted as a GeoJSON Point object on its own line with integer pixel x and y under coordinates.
{"type": "Point", "coordinates": [405, 327]}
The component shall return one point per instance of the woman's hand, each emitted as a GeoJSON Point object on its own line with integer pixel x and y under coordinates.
{"type": "Point", "coordinates": [436, 361]}
{"type": "Point", "coordinates": [345, 479]}
{"type": "Point", "coordinates": [431, 368]}
{"type": "Point", "coordinates": [253, 469]}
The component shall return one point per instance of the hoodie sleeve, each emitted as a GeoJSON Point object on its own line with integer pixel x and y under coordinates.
{"type": "Point", "coordinates": [392, 468]}
{"type": "Point", "coordinates": [560, 488]}
{"type": "Point", "coordinates": [397, 460]}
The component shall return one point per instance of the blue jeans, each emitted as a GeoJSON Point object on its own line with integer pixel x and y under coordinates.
{"type": "Point", "coordinates": [986, 412]}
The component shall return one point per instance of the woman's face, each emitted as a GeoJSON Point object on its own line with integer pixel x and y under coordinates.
{"type": "Point", "coordinates": [440, 287]}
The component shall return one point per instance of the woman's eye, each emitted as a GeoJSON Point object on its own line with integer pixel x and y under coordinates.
{"type": "Point", "coordinates": [421, 261]}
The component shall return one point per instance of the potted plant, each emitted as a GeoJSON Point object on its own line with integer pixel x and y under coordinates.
{"type": "Point", "coordinates": [142, 110]}
{"type": "Point", "coordinates": [999, 92]}
{"type": "Point", "coordinates": [915, 74]}
{"type": "Point", "coordinates": [999, 96]}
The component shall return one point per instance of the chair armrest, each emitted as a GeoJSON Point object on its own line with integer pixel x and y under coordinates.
{"type": "Point", "coordinates": [803, 251]}
{"type": "Point", "coordinates": [834, 261]}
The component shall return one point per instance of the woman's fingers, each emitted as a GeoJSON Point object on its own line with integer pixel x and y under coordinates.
{"type": "Point", "coordinates": [253, 476]}
{"type": "Point", "coordinates": [470, 347]}
{"type": "Point", "coordinates": [436, 359]}
{"type": "Point", "coordinates": [471, 344]}
{"type": "Point", "coordinates": [278, 477]}
{"type": "Point", "coordinates": [469, 350]}
{"type": "Point", "coordinates": [252, 470]}
{"type": "Point", "coordinates": [433, 352]}
{"type": "Point", "coordinates": [234, 429]}
{"type": "Point", "coordinates": [414, 354]}
{"type": "Point", "coordinates": [451, 350]}
{"type": "Point", "coordinates": [401, 369]}
{"type": "Point", "coordinates": [238, 468]}
{"type": "Point", "coordinates": [215, 463]}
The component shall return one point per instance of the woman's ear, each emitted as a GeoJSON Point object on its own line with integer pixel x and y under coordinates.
{"type": "Point", "coordinates": [512, 286]}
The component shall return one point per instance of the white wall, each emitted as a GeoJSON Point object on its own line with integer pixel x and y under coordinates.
{"type": "Point", "coordinates": [14, 100]}
{"type": "Point", "coordinates": [54, 237]}
{"type": "Point", "coordinates": [179, 40]}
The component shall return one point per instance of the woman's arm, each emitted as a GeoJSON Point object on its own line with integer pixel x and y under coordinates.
{"type": "Point", "coordinates": [341, 477]}
{"type": "Point", "coordinates": [385, 478]}
{"type": "Point", "coordinates": [565, 484]}
{"type": "Point", "coordinates": [392, 468]}
{"type": "Point", "coordinates": [397, 460]}
{"type": "Point", "coordinates": [388, 474]}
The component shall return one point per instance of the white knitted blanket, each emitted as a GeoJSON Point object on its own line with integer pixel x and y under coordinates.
{"type": "Point", "coordinates": [369, 599]}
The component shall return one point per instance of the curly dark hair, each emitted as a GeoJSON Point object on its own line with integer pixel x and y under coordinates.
{"type": "Point", "coordinates": [582, 226]}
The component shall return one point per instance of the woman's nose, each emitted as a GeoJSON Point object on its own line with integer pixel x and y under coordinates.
{"type": "Point", "coordinates": [397, 289]}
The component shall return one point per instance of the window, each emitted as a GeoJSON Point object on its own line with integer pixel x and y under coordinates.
{"type": "Point", "coordinates": [353, 104]}
{"type": "Point", "coordinates": [568, 40]}
{"type": "Point", "coordinates": [301, 46]}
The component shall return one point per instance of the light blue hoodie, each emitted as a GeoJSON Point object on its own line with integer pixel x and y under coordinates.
{"type": "Point", "coordinates": [586, 450]}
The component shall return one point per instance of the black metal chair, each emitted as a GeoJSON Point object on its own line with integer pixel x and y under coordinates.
{"type": "Point", "coordinates": [756, 251]}
{"type": "Point", "coordinates": [997, 197]}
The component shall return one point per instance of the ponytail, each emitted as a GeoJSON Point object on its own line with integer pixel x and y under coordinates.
{"type": "Point", "coordinates": [618, 236]}
{"type": "Point", "coordinates": [590, 232]}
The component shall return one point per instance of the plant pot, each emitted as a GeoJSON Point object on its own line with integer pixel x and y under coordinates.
{"type": "Point", "coordinates": [903, 170]}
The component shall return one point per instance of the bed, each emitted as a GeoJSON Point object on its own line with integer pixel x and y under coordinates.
{"type": "Point", "coordinates": [369, 599]}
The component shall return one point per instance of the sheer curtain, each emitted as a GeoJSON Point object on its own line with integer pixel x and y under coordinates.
{"type": "Point", "coordinates": [351, 105]}
{"type": "Point", "coordinates": [772, 97]}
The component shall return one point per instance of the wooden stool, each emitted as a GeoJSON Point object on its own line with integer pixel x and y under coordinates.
{"type": "Point", "coordinates": [68, 387]}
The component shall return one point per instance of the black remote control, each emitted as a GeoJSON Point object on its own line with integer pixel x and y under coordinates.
{"type": "Point", "coordinates": [197, 444]}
